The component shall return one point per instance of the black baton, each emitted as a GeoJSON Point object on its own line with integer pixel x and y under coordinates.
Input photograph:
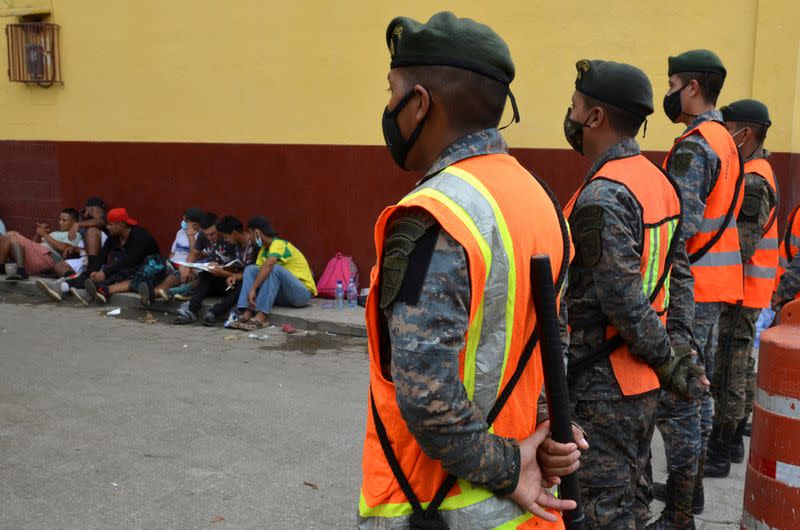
{"type": "Point", "coordinates": [555, 377]}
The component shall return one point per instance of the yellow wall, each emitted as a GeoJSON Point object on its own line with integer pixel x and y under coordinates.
{"type": "Point", "coordinates": [310, 71]}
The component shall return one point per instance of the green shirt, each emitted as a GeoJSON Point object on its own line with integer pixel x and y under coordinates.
{"type": "Point", "coordinates": [291, 259]}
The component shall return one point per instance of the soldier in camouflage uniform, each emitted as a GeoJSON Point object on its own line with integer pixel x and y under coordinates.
{"type": "Point", "coordinates": [789, 284]}
{"type": "Point", "coordinates": [440, 115]}
{"type": "Point", "coordinates": [606, 287]}
{"type": "Point", "coordinates": [696, 79]}
{"type": "Point", "coordinates": [747, 121]}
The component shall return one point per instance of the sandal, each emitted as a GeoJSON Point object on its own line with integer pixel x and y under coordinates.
{"type": "Point", "coordinates": [251, 325]}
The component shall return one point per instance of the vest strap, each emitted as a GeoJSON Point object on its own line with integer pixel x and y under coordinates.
{"type": "Point", "coordinates": [787, 240]}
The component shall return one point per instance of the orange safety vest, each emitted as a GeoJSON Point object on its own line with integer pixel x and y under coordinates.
{"type": "Point", "coordinates": [661, 212]}
{"type": "Point", "coordinates": [502, 217]}
{"type": "Point", "coordinates": [790, 246]}
{"type": "Point", "coordinates": [760, 271]}
{"type": "Point", "coordinates": [714, 250]}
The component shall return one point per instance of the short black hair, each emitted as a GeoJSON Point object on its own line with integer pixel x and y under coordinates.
{"type": "Point", "coordinates": [623, 122]}
{"type": "Point", "coordinates": [710, 84]}
{"type": "Point", "coordinates": [194, 215]}
{"type": "Point", "coordinates": [229, 224]}
{"type": "Point", "coordinates": [72, 212]}
{"type": "Point", "coordinates": [472, 101]}
{"type": "Point", "coordinates": [208, 220]}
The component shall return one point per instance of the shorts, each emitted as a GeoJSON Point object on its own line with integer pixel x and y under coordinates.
{"type": "Point", "coordinates": [37, 256]}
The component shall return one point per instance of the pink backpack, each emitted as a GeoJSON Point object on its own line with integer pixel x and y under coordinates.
{"type": "Point", "coordinates": [338, 268]}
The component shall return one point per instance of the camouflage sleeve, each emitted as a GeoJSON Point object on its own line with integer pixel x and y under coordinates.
{"type": "Point", "coordinates": [756, 205]}
{"type": "Point", "coordinates": [680, 315]}
{"type": "Point", "coordinates": [695, 168]}
{"type": "Point", "coordinates": [789, 285]}
{"type": "Point", "coordinates": [426, 340]}
{"type": "Point", "coordinates": [616, 270]}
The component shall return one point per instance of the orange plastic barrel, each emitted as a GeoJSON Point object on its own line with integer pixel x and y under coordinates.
{"type": "Point", "coordinates": [772, 486]}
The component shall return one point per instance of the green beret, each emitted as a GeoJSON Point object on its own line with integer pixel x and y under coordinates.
{"type": "Point", "coordinates": [446, 40]}
{"type": "Point", "coordinates": [618, 84]}
{"type": "Point", "coordinates": [697, 61]}
{"type": "Point", "coordinates": [748, 110]}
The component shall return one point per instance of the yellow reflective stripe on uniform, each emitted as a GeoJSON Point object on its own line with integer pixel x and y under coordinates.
{"type": "Point", "coordinates": [648, 279]}
{"type": "Point", "coordinates": [474, 331]}
{"type": "Point", "coordinates": [469, 495]}
{"type": "Point", "coordinates": [671, 227]}
{"type": "Point", "coordinates": [508, 245]}
{"type": "Point", "coordinates": [514, 523]}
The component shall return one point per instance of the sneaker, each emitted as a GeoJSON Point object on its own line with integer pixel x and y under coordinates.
{"type": "Point", "coordinates": [96, 293]}
{"type": "Point", "coordinates": [144, 294]}
{"type": "Point", "coordinates": [185, 317]}
{"type": "Point", "coordinates": [209, 319]}
{"type": "Point", "coordinates": [79, 297]}
{"type": "Point", "coordinates": [180, 297]}
{"type": "Point", "coordinates": [48, 291]}
{"type": "Point", "coordinates": [163, 295]}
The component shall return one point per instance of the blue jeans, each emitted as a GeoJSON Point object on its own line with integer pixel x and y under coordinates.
{"type": "Point", "coordinates": [280, 288]}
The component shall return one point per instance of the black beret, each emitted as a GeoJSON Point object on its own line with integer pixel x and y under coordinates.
{"type": "Point", "coordinates": [446, 40]}
{"type": "Point", "coordinates": [696, 61]}
{"type": "Point", "coordinates": [618, 84]}
{"type": "Point", "coordinates": [193, 214]}
{"type": "Point", "coordinates": [747, 110]}
{"type": "Point", "coordinates": [261, 223]}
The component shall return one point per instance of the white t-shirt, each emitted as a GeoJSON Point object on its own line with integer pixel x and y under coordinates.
{"type": "Point", "coordinates": [61, 237]}
{"type": "Point", "coordinates": [180, 247]}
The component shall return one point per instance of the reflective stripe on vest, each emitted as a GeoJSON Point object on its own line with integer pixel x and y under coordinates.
{"type": "Point", "coordinates": [661, 211]}
{"type": "Point", "coordinates": [789, 245]}
{"type": "Point", "coordinates": [474, 211]}
{"type": "Point", "coordinates": [718, 275]}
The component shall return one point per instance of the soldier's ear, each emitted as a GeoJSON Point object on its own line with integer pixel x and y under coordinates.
{"type": "Point", "coordinates": [597, 115]}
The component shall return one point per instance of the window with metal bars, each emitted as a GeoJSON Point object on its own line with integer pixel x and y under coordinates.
{"type": "Point", "coordinates": [33, 53]}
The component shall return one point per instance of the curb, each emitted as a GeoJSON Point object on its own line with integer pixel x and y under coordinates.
{"type": "Point", "coordinates": [313, 318]}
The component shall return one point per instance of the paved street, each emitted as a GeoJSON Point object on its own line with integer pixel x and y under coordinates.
{"type": "Point", "coordinates": [109, 422]}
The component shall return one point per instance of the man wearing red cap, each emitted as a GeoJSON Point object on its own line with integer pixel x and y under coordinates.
{"type": "Point", "coordinates": [128, 248]}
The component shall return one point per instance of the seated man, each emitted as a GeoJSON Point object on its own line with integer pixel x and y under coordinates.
{"type": "Point", "coordinates": [124, 252]}
{"type": "Point", "coordinates": [207, 245]}
{"type": "Point", "coordinates": [45, 252]}
{"type": "Point", "coordinates": [281, 276]}
{"type": "Point", "coordinates": [92, 227]}
{"type": "Point", "coordinates": [222, 282]}
{"type": "Point", "coordinates": [181, 249]}
{"type": "Point", "coordinates": [186, 236]}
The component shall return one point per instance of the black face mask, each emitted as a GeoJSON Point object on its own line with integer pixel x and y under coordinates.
{"type": "Point", "coordinates": [398, 146]}
{"type": "Point", "coordinates": [573, 132]}
{"type": "Point", "coordinates": [672, 104]}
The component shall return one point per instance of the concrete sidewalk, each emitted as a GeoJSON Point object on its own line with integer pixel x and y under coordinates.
{"type": "Point", "coordinates": [319, 316]}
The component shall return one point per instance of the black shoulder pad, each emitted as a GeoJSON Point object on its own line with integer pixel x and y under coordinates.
{"type": "Point", "coordinates": [410, 240]}
{"type": "Point", "coordinates": [587, 226]}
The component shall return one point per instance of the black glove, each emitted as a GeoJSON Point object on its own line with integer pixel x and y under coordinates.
{"type": "Point", "coordinates": [681, 375]}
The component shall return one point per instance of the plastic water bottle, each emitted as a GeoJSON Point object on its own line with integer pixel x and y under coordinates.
{"type": "Point", "coordinates": [352, 293]}
{"type": "Point", "coordinates": [339, 295]}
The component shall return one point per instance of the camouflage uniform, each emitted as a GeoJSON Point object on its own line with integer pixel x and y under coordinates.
{"type": "Point", "coordinates": [685, 425]}
{"type": "Point", "coordinates": [737, 324]}
{"type": "Point", "coordinates": [426, 339]}
{"type": "Point", "coordinates": [610, 291]}
{"type": "Point", "coordinates": [789, 285]}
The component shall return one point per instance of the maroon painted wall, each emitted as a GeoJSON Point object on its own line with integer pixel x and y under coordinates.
{"type": "Point", "coordinates": [323, 198]}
